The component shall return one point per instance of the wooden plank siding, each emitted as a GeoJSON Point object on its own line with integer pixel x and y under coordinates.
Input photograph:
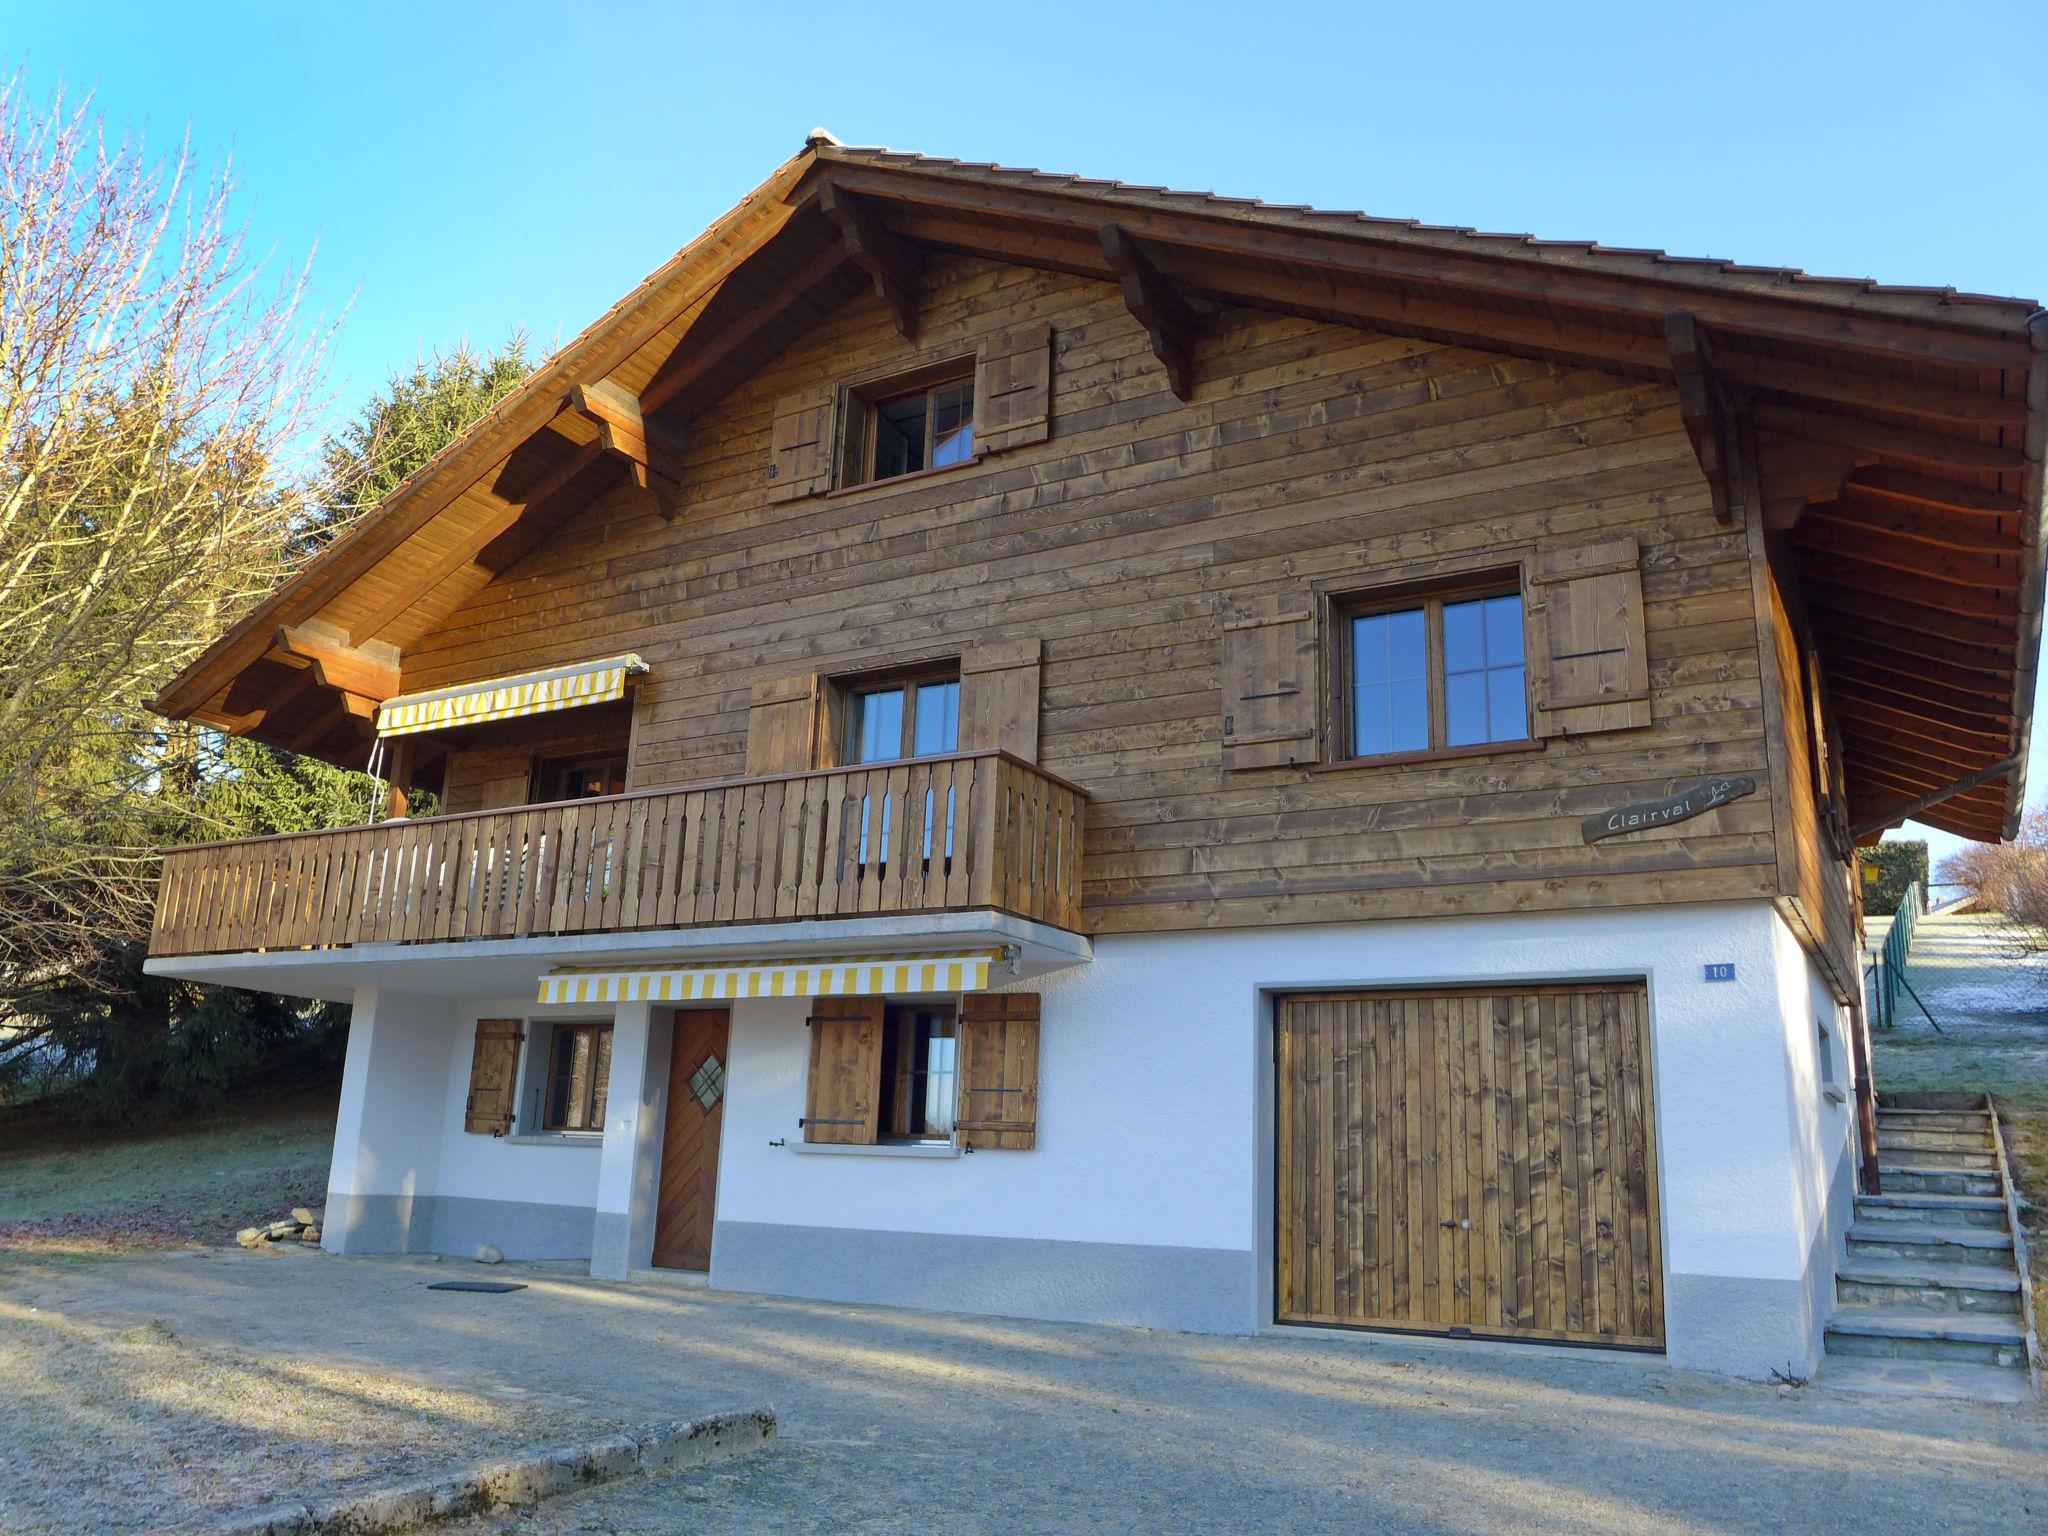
{"type": "Point", "coordinates": [833, 843]}
{"type": "Point", "coordinates": [1311, 453]}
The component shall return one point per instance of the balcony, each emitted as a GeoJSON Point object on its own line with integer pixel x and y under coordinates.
{"type": "Point", "coordinates": [975, 831]}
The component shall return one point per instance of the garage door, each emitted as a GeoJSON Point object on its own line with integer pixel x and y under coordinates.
{"type": "Point", "coordinates": [1473, 1161]}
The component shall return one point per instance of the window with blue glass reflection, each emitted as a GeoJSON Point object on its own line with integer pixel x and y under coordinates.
{"type": "Point", "coordinates": [1445, 672]}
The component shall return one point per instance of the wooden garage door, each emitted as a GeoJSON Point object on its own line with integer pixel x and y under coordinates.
{"type": "Point", "coordinates": [1469, 1161]}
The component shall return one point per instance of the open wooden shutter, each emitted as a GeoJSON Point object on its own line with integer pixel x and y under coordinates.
{"type": "Point", "coordinates": [800, 444]}
{"type": "Point", "coordinates": [493, 1077]}
{"type": "Point", "coordinates": [1589, 665]}
{"type": "Point", "coordinates": [999, 1070]}
{"type": "Point", "coordinates": [782, 725]}
{"type": "Point", "coordinates": [1269, 680]}
{"type": "Point", "coordinates": [1013, 389]}
{"type": "Point", "coordinates": [843, 1101]}
{"type": "Point", "coordinates": [999, 698]}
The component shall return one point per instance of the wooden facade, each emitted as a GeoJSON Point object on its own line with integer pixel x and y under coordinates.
{"type": "Point", "coordinates": [1202, 430]}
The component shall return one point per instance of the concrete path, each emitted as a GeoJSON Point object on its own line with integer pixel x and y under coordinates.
{"type": "Point", "coordinates": [896, 1421]}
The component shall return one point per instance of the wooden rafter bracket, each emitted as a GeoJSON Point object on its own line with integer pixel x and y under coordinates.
{"type": "Point", "coordinates": [1908, 809]}
{"type": "Point", "coordinates": [652, 452]}
{"type": "Point", "coordinates": [1703, 407]}
{"type": "Point", "coordinates": [1171, 316]}
{"type": "Point", "coordinates": [895, 264]}
{"type": "Point", "coordinates": [366, 672]}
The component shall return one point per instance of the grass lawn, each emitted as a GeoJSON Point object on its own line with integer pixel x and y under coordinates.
{"type": "Point", "coordinates": [181, 1183]}
{"type": "Point", "coordinates": [1990, 1001]}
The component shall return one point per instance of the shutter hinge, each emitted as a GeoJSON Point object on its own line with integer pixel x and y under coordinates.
{"type": "Point", "coordinates": [1277, 693]}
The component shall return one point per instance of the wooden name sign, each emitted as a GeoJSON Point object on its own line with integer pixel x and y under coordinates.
{"type": "Point", "coordinates": [1683, 806]}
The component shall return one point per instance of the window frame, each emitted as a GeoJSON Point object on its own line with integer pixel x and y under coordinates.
{"type": "Point", "coordinates": [848, 690]}
{"type": "Point", "coordinates": [859, 420]}
{"type": "Point", "coordinates": [1342, 606]}
{"type": "Point", "coordinates": [548, 772]}
{"type": "Point", "coordinates": [900, 1014]}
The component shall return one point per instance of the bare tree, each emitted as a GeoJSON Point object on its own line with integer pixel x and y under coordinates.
{"type": "Point", "coordinates": [2010, 879]}
{"type": "Point", "coordinates": [154, 381]}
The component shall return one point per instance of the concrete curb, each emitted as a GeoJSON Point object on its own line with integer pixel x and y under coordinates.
{"type": "Point", "coordinates": [489, 1485]}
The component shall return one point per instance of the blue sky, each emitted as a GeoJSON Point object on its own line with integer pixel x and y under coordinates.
{"type": "Point", "coordinates": [467, 169]}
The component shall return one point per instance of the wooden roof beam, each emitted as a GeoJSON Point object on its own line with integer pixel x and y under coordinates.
{"type": "Point", "coordinates": [895, 265]}
{"type": "Point", "coordinates": [1910, 521]}
{"type": "Point", "coordinates": [690, 362]}
{"type": "Point", "coordinates": [1171, 316]}
{"type": "Point", "coordinates": [1907, 810]}
{"type": "Point", "coordinates": [1931, 491]}
{"type": "Point", "coordinates": [1827, 386]}
{"type": "Point", "coordinates": [653, 453]}
{"type": "Point", "coordinates": [1860, 705]}
{"type": "Point", "coordinates": [366, 671]}
{"type": "Point", "coordinates": [1971, 601]}
{"type": "Point", "coordinates": [1887, 439]}
{"type": "Point", "coordinates": [1702, 405]}
{"type": "Point", "coordinates": [508, 512]}
{"type": "Point", "coordinates": [1866, 544]}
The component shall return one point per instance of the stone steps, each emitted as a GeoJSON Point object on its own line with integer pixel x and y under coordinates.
{"type": "Point", "coordinates": [1933, 1210]}
{"type": "Point", "coordinates": [1915, 1178]}
{"type": "Point", "coordinates": [1928, 1295]}
{"type": "Point", "coordinates": [1930, 1287]}
{"type": "Point", "coordinates": [1910, 1333]}
{"type": "Point", "coordinates": [1929, 1244]}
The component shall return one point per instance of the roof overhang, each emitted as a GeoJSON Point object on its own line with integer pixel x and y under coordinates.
{"type": "Point", "coordinates": [1897, 432]}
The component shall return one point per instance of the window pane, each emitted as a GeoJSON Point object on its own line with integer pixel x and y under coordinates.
{"type": "Point", "coordinates": [953, 424]}
{"type": "Point", "coordinates": [1372, 719]}
{"type": "Point", "coordinates": [1411, 716]}
{"type": "Point", "coordinates": [939, 1049]}
{"type": "Point", "coordinates": [1464, 637]}
{"type": "Point", "coordinates": [878, 725]}
{"type": "Point", "coordinates": [1464, 707]}
{"type": "Point", "coordinates": [938, 719]}
{"type": "Point", "coordinates": [1507, 704]}
{"type": "Point", "coordinates": [1503, 629]}
{"type": "Point", "coordinates": [899, 435]}
{"type": "Point", "coordinates": [601, 1076]}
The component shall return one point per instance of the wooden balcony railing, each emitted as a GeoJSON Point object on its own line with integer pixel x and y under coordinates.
{"type": "Point", "coordinates": [981, 829]}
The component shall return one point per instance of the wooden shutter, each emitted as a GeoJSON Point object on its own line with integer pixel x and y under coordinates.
{"type": "Point", "coordinates": [1590, 669]}
{"type": "Point", "coordinates": [1269, 681]}
{"type": "Point", "coordinates": [493, 1077]}
{"type": "Point", "coordinates": [783, 724]}
{"type": "Point", "coordinates": [1013, 389]}
{"type": "Point", "coordinates": [999, 698]}
{"type": "Point", "coordinates": [843, 1101]}
{"type": "Point", "coordinates": [800, 445]}
{"type": "Point", "coordinates": [999, 1070]}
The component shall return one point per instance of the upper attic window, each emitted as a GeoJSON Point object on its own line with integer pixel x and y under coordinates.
{"type": "Point", "coordinates": [902, 425]}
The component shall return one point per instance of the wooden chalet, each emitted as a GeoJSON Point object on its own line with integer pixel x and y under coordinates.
{"type": "Point", "coordinates": [961, 650]}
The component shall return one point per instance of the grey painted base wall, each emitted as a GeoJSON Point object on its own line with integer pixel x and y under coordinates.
{"type": "Point", "coordinates": [1196, 1290]}
{"type": "Point", "coordinates": [455, 1225]}
{"type": "Point", "coordinates": [1739, 1326]}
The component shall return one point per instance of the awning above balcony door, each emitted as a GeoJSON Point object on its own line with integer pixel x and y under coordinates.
{"type": "Point", "coordinates": [506, 698]}
{"type": "Point", "coordinates": [812, 976]}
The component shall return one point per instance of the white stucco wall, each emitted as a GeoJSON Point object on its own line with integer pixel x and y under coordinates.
{"type": "Point", "coordinates": [1155, 1104]}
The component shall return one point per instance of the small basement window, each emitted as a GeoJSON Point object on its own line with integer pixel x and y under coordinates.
{"type": "Point", "coordinates": [1430, 673]}
{"type": "Point", "coordinates": [1828, 1086]}
{"type": "Point", "coordinates": [909, 423]}
{"type": "Point", "coordinates": [569, 1070]}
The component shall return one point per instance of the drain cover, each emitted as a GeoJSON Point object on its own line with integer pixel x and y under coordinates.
{"type": "Point", "coordinates": [488, 1287]}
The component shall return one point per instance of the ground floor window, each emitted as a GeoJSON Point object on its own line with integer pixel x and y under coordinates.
{"type": "Point", "coordinates": [918, 1077]}
{"type": "Point", "coordinates": [579, 1066]}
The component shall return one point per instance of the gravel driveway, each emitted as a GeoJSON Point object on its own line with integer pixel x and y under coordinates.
{"type": "Point", "coordinates": [895, 1421]}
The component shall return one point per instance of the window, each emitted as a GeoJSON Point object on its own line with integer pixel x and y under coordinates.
{"type": "Point", "coordinates": [575, 778]}
{"type": "Point", "coordinates": [919, 1076]}
{"type": "Point", "coordinates": [908, 424]}
{"type": "Point", "coordinates": [579, 1066]}
{"type": "Point", "coordinates": [1828, 1086]}
{"type": "Point", "coordinates": [1432, 673]}
{"type": "Point", "coordinates": [902, 718]}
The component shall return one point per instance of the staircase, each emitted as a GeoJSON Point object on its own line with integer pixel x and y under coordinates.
{"type": "Point", "coordinates": [1930, 1300]}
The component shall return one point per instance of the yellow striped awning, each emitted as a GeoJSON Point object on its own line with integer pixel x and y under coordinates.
{"type": "Point", "coordinates": [816, 976]}
{"type": "Point", "coordinates": [504, 698]}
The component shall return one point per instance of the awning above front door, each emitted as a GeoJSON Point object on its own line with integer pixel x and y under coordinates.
{"type": "Point", "coordinates": [815, 976]}
{"type": "Point", "coordinates": [505, 698]}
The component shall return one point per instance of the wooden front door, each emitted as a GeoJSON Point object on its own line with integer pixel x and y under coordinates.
{"type": "Point", "coordinates": [1473, 1161]}
{"type": "Point", "coordinates": [689, 1139]}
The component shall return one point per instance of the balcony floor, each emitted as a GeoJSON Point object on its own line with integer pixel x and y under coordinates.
{"type": "Point", "coordinates": [513, 967]}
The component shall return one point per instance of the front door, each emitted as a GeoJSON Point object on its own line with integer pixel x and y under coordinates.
{"type": "Point", "coordinates": [689, 1139]}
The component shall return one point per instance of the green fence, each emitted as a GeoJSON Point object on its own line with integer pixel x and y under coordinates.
{"type": "Point", "coordinates": [1888, 970]}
